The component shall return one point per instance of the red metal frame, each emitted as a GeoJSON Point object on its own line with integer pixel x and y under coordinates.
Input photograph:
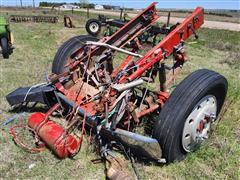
{"type": "Point", "coordinates": [166, 46]}
{"type": "Point", "coordinates": [155, 55]}
{"type": "Point", "coordinates": [64, 144]}
{"type": "Point", "coordinates": [118, 36]}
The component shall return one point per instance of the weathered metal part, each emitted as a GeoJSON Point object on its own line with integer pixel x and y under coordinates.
{"type": "Point", "coordinates": [41, 94]}
{"type": "Point", "coordinates": [68, 22]}
{"type": "Point", "coordinates": [113, 47]}
{"type": "Point", "coordinates": [147, 111]}
{"type": "Point", "coordinates": [171, 76]}
{"type": "Point", "coordinates": [133, 111]}
{"type": "Point", "coordinates": [153, 107]}
{"type": "Point", "coordinates": [89, 72]}
{"type": "Point", "coordinates": [87, 91]}
{"type": "Point", "coordinates": [122, 107]}
{"type": "Point", "coordinates": [163, 96]}
{"type": "Point", "coordinates": [70, 103]}
{"type": "Point", "coordinates": [118, 168]}
{"type": "Point", "coordinates": [141, 145]}
{"type": "Point", "coordinates": [123, 87]}
{"type": "Point", "coordinates": [143, 68]}
{"type": "Point", "coordinates": [38, 19]}
{"type": "Point", "coordinates": [162, 77]}
{"type": "Point", "coordinates": [122, 95]}
{"type": "Point", "coordinates": [180, 33]}
{"type": "Point", "coordinates": [55, 137]}
{"type": "Point", "coordinates": [122, 66]}
{"type": "Point", "coordinates": [122, 36]}
{"type": "Point", "coordinates": [71, 97]}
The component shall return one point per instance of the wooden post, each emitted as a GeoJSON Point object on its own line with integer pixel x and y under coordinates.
{"type": "Point", "coordinates": [87, 11]}
{"type": "Point", "coordinates": [121, 13]}
{"type": "Point", "coordinates": [72, 10]}
{"type": "Point", "coordinates": [168, 19]}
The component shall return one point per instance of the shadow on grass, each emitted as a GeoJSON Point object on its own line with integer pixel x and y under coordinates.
{"type": "Point", "coordinates": [29, 109]}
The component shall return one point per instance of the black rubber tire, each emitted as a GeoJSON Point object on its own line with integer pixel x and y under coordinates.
{"type": "Point", "coordinates": [5, 48]}
{"type": "Point", "coordinates": [66, 49]}
{"type": "Point", "coordinates": [169, 127]}
{"type": "Point", "coordinates": [88, 29]}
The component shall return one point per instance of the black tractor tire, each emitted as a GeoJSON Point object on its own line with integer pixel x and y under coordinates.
{"type": "Point", "coordinates": [5, 48]}
{"type": "Point", "coordinates": [168, 130]}
{"type": "Point", "coordinates": [66, 50]}
{"type": "Point", "coordinates": [93, 27]}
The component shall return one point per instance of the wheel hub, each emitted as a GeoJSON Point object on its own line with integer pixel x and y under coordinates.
{"type": "Point", "coordinates": [94, 27]}
{"type": "Point", "coordinates": [198, 124]}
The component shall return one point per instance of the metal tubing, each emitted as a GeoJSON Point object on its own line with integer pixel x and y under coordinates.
{"type": "Point", "coordinates": [112, 47]}
{"type": "Point", "coordinates": [181, 32]}
{"type": "Point", "coordinates": [162, 77]}
{"type": "Point", "coordinates": [123, 87]}
{"type": "Point", "coordinates": [141, 145]}
{"type": "Point", "coordinates": [143, 68]}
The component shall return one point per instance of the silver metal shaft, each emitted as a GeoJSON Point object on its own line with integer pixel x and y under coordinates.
{"type": "Point", "coordinates": [113, 47]}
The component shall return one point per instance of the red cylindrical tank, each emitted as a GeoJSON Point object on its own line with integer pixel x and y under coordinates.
{"type": "Point", "coordinates": [63, 145]}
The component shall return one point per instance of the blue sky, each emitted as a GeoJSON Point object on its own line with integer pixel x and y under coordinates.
{"type": "Point", "coordinates": [181, 4]}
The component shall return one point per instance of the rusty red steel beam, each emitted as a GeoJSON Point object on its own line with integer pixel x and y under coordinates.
{"type": "Point", "coordinates": [166, 46]}
{"type": "Point", "coordinates": [114, 39]}
{"type": "Point", "coordinates": [122, 36]}
{"type": "Point", "coordinates": [122, 65]}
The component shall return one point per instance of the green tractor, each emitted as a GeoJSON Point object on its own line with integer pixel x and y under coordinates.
{"type": "Point", "coordinates": [6, 38]}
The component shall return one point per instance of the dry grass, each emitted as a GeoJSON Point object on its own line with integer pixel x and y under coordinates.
{"type": "Point", "coordinates": [36, 45]}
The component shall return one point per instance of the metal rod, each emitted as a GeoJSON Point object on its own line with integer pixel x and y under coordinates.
{"type": "Point", "coordinates": [123, 87]}
{"type": "Point", "coordinates": [162, 77]}
{"type": "Point", "coordinates": [113, 47]}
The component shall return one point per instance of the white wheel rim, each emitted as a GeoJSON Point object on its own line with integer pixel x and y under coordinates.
{"type": "Point", "coordinates": [198, 124]}
{"type": "Point", "coordinates": [94, 27]}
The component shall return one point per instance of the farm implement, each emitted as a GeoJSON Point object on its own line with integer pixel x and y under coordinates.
{"type": "Point", "coordinates": [130, 106]}
{"type": "Point", "coordinates": [93, 26]}
{"type": "Point", "coordinates": [36, 19]}
{"type": "Point", "coordinates": [6, 38]}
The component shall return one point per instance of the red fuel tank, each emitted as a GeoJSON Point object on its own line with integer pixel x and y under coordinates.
{"type": "Point", "coordinates": [52, 134]}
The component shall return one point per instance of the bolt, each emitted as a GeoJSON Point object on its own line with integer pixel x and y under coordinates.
{"type": "Point", "coordinates": [157, 52]}
{"type": "Point", "coordinates": [200, 138]}
{"type": "Point", "coordinates": [213, 117]}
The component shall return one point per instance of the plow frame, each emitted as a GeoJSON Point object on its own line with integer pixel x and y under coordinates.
{"type": "Point", "coordinates": [172, 44]}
